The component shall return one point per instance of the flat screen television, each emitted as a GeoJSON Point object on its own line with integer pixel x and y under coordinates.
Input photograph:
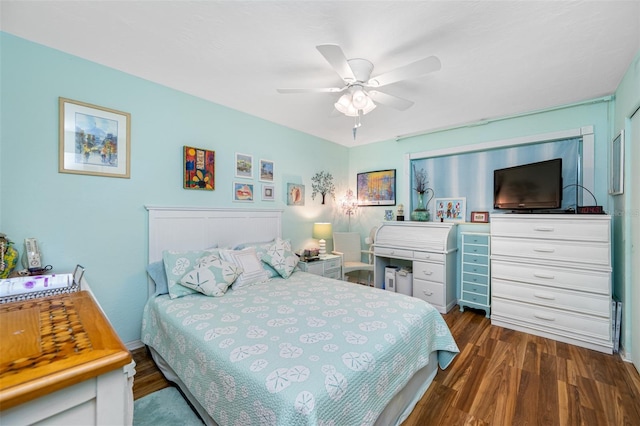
{"type": "Point", "coordinates": [533, 186]}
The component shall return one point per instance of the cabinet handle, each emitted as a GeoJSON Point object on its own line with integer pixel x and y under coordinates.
{"type": "Point", "coordinates": [427, 272]}
{"type": "Point", "coordinates": [544, 228]}
{"type": "Point", "coordinates": [544, 296]}
{"type": "Point", "coordinates": [427, 293]}
{"type": "Point", "coordinates": [544, 249]}
{"type": "Point", "coordinates": [546, 277]}
{"type": "Point", "coordinates": [544, 317]}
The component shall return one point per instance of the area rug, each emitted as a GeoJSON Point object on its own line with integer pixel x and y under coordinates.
{"type": "Point", "coordinates": [164, 407]}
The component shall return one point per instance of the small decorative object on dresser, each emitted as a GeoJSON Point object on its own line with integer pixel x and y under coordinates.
{"type": "Point", "coordinates": [480, 217]}
{"type": "Point", "coordinates": [400, 215]}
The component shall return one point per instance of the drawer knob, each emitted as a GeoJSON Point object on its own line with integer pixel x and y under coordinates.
{"type": "Point", "coordinates": [428, 293]}
{"type": "Point", "coordinates": [427, 272]}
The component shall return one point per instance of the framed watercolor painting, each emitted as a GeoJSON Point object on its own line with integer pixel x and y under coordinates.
{"type": "Point", "coordinates": [244, 166]}
{"type": "Point", "coordinates": [268, 193]}
{"type": "Point", "coordinates": [295, 194]}
{"type": "Point", "coordinates": [450, 209]}
{"type": "Point", "coordinates": [242, 192]}
{"type": "Point", "coordinates": [199, 168]}
{"type": "Point", "coordinates": [93, 140]}
{"type": "Point", "coordinates": [266, 170]}
{"type": "Point", "coordinates": [377, 188]}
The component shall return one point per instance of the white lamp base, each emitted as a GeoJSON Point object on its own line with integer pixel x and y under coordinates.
{"type": "Point", "coordinates": [323, 248]}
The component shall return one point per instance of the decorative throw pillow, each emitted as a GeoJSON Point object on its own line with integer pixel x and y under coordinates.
{"type": "Point", "coordinates": [261, 250]}
{"type": "Point", "coordinates": [159, 277]}
{"type": "Point", "coordinates": [212, 280]}
{"type": "Point", "coordinates": [178, 263]}
{"type": "Point", "coordinates": [252, 271]}
{"type": "Point", "coordinates": [281, 258]}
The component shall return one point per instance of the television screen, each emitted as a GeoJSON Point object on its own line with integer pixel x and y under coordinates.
{"type": "Point", "coordinates": [529, 186]}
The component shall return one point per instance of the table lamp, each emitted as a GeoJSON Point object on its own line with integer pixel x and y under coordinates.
{"type": "Point", "coordinates": [322, 231]}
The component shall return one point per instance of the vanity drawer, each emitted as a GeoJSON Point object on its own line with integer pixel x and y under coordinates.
{"type": "Point", "coordinates": [429, 292]}
{"type": "Point", "coordinates": [428, 271]}
{"type": "Point", "coordinates": [566, 278]}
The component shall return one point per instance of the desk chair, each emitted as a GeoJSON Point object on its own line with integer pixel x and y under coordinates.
{"type": "Point", "coordinates": [348, 246]}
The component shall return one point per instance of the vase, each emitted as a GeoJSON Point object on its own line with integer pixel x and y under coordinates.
{"type": "Point", "coordinates": [420, 214]}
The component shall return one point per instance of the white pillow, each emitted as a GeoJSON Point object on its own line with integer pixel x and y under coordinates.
{"type": "Point", "coordinates": [252, 271]}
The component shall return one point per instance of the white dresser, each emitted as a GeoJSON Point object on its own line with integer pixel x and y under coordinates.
{"type": "Point", "coordinates": [551, 276]}
{"type": "Point", "coordinates": [430, 249]}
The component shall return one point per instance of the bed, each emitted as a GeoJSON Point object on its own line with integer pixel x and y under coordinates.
{"type": "Point", "coordinates": [300, 350]}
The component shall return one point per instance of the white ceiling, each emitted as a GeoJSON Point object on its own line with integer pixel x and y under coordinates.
{"type": "Point", "coordinates": [499, 58]}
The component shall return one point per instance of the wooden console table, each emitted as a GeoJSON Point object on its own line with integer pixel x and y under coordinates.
{"type": "Point", "coordinates": [61, 360]}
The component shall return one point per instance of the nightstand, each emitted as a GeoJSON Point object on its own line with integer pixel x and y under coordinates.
{"type": "Point", "coordinates": [327, 266]}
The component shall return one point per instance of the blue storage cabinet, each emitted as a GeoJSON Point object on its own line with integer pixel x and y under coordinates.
{"type": "Point", "coordinates": [475, 282]}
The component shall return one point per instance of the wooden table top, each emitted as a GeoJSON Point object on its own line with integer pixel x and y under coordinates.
{"type": "Point", "coordinates": [53, 342]}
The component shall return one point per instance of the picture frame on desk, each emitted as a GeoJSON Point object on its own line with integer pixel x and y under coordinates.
{"type": "Point", "coordinates": [451, 209]}
{"type": "Point", "coordinates": [480, 217]}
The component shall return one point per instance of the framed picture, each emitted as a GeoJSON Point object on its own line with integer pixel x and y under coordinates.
{"type": "Point", "coordinates": [481, 217]}
{"type": "Point", "coordinates": [377, 188]}
{"type": "Point", "coordinates": [268, 193]}
{"type": "Point", "coordinates": [244, 166]}
{"type": "Point", "coordinates": [616, 166]}
{"type": "Point", "coordinates": [266, 170]}
{"type": "Point", "coordinates": [199, 168]}
{"type": "Point", "coordinates": [450, 209]}
{"type": "Point", "coordinates": [93, 140]}
{"type": "Point", "coordinates": [242, 192]}
{"type": "Point", "coordinates": [295, 194]}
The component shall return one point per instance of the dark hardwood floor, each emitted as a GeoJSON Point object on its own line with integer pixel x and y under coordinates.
{"type": "Point", "coordinates": [504, 377]}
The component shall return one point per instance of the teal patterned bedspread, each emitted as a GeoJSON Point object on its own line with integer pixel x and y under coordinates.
{"type": "Point", "coordinates": [306, 350]}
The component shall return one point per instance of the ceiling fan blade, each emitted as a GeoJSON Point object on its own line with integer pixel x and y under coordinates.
{"type": "Point", "coordinates": [390, 100]}
{"type": "Point", "coordinates": [413, 70]}
{"type": "Point", "coordinates": [335, 56]}
{"type": "Point", "coordinates": [319, 90]}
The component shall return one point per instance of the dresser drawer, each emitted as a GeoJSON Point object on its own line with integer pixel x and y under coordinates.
{"type": "Point", "coordinates": [587, 303]}
{"type": "Point", "coordinates": [558, 228]}
{"type": "Point", "coordinates": [482, 290]}
{"type": "Point", "coordinates": [475, 269]}
{"type": "Point", "coordinates": [393, 252]}
{"type": "Point", "coordinates": [425, 255]}
{"type": "Point", "coordinates": [473, 249]}
{"type": "Point", "coordinates": [428, 271]}
{"type": "Point", "coordinates": [475, 239]}
{"type": "Point", "coordinates": [586, 253]}
{"type": "Point", "coordinates": [475, 298]}
{"type": "Point", "coordinates": [568, 323]}
{"type": "Point", "coordinates": [564, 278]}
{"type": "Point", "coordinates": [475, 259]}
{"type": "Point", "coordinates": [429, 291]}
{"type": "Point", "coordinates": [475, 278]}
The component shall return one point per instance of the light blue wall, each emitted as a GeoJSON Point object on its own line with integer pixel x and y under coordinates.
{"type": "Point", "coordinates": [101, 222]}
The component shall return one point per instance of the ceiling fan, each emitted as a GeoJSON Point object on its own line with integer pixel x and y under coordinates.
{"type": "Point", "coordinates": [361, 90]}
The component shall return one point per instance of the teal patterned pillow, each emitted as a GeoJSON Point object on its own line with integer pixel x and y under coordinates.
{"type": "Point", "coordinates": [281, 258]}
{"type": "Point", "coordinates": [178, 263]}
{"type": "Point", "coordinates": [212, 280]}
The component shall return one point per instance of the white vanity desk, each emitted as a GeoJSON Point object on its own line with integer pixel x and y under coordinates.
{"type": "Point", "coordinates": [430, 248]}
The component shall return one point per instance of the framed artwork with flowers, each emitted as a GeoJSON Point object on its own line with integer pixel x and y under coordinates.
{"type": "Point", "coordinates": [199, 169]}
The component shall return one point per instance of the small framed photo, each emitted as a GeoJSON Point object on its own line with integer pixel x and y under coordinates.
{"type": "Point", "coordinates": [244, 166]}
{"type": "Point", "coordinates": [616, 167]}
{"type": "Point", "coordinates": [268, 193]}
{"type": "Point", "coordinates": [199, 168]}
{"type": "Point", "coordinates": [451, 209]}
{"type": "Point", "coordinates": [266, 170]}
{"type": "Point", "coordinates": [242, 192]}
{"type": "Point", "coordinates": [295, 194]}
{"type": "Point", "coordinates": [480, 217]}
{"type": "Point", "coordinates": [93, 140]}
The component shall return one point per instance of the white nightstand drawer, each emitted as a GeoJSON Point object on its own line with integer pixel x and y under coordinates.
{"type": "Point", "coordinates": [586, 253]}
{"type": "Point", "coordinates": [428, 271]}
{"type": "Point", "coordinates": [332, 263]}
{"type": "Point", "coordinates": [335, 273]}
{"type": "Point", "coordinates": [566, 278]}
{"type": "Point", "coordinates": [587, 303]}
{"type": "Point", "coordinates": [429, 291]}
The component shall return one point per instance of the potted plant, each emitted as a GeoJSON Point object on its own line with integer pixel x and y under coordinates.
{"type": "Point", "coordinates": [420, 213]}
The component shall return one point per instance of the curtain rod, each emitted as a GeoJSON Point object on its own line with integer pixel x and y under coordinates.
{"type": "Point", "coordinates": [483, 122]}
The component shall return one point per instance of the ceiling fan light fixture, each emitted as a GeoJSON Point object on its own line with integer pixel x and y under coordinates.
{"type": "Point", "coordinates": [359, 98]}
{"type": "Point", "coordinates": [355, 104]}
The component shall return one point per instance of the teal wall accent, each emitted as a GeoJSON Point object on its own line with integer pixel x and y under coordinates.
{"type": "Point", "coordinates": [101, 222]}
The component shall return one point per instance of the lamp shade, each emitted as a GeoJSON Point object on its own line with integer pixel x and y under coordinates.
{"type": "Point", "coordinates": [322, 230]}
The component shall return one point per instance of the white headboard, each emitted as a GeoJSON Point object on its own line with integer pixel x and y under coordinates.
{"type": "Point", "coordinates": [197, 228]}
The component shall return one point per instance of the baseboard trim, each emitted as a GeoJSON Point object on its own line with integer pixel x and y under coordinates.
{"type": "Point", "coordinates": [136, 344]}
